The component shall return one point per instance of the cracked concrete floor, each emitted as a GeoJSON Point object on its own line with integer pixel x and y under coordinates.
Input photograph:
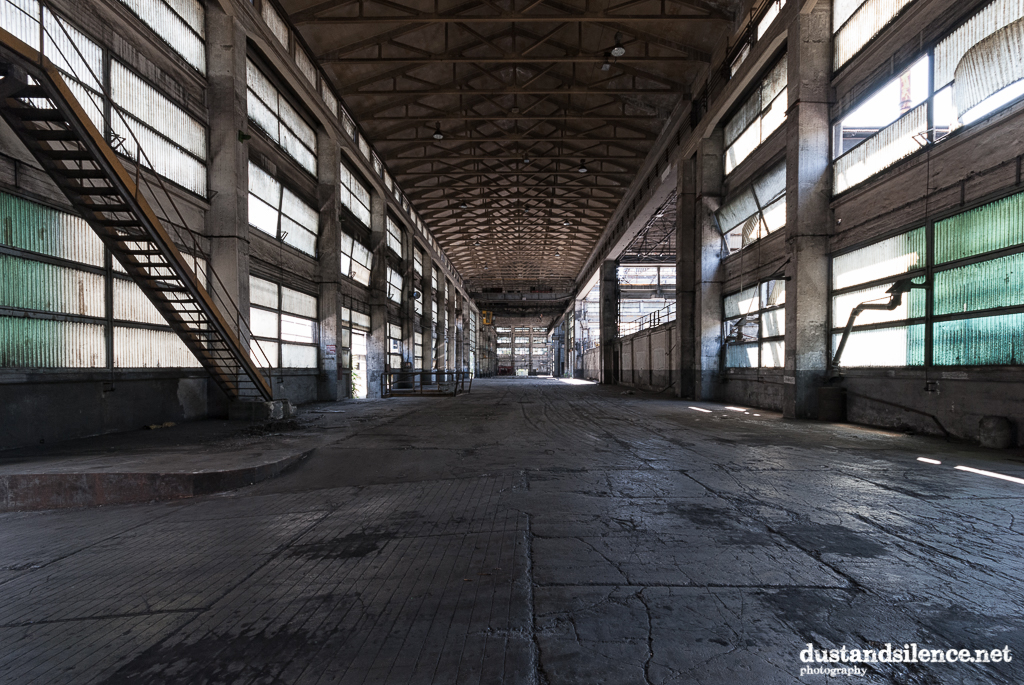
{"type": "Point", "coordinates": [535, 531]}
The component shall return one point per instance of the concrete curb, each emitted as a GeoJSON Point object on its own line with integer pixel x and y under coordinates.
{"type": "Point", "coordinates": [34, 492]}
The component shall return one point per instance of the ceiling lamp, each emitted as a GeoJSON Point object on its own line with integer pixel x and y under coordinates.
{"type": "Point", "coordinates": [618, 50]}
{"type": "Point", "coordinates": [526, 158]}
{"type": "Point", "coordinates": [567, 223]}
{"type": "Point", "coordinates": [606, 66]}
{"type": "Point", "coordinates": [463, 206]}
{"type": "Point", "coordinates": [437, 131]}
{"type": "Point", "coordinates": [583, 167]}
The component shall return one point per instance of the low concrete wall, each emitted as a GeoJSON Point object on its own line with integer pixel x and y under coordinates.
{"type": "Point", "coordinates": [751, 388]}
{"type": "Point", "coordinates": [648, 359]}
{"type": "Point", "coordinates": [592, 364]}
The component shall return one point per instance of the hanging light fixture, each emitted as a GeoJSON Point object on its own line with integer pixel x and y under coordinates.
{"type": "Point", "coordinates": [463, 206]}
{"type": "Point", "coordinates": [583, 166]}
{"type": "Point", "coordinates": [618, 50]}
{"type": "Point", "coordinates": [606, 66]}
{"type": "Point", "coordinates": [437, 131]}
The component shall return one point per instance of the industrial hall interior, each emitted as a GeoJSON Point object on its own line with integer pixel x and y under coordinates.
{"type": "Point", "coordinates": [523, 342]}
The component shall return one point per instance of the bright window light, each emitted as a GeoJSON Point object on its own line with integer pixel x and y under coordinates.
{"type": "Point", "coordinates": [706, 411]}
{"type": "Point", "coordinates": [929, 461]}
{"type": "Point", "coordinates": [990, 474]}
{"type": "Point", "coordinates": [736, 409]}
{"type": "Point", "coordinates": [993, 102]}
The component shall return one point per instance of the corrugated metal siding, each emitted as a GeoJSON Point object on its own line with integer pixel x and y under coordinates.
{"type": "Point", "coordinates": [984, 285]}
{"type": "Point", "coordinates": [145, 103]}
{"type": "Point", "coordinates": [162, 156]}
{"type": "Point", "coordinates": [866, 23]}
{"type": "Point", "coordinates": [28, 284]}
{"type": "Point", "coordinates": [885, 148]}
{"type": "Point", "coordinates": [891, 257]}
{"type": "Point", "coordinates": [981, 341]}
{"type": "Point", "coordinates": [992, 227]}
{"type": "Point", "coordinates": [131, 304]}
{"type": "Point", "coordinates": [71, 52]}
{"type": "Point", "coordinates": [743, 302]}
{"type": "Point", "coordinates": [741, 356]}
{"type": "Point", "coordinates": [298, 303]}
{"type": "Point", "coordinates": [21, 19]}
{"type": "Point", "coordinates": [305, 65]}
{"type": "Point", "coordinates": [39, 343]}
{"type": "Point", "coordinates": [275, 24]}
{"type": "Point", "coordinates": [990, 66]}
{"type": "Point", "coordinates": [262, 293]}
{"type": "Point", "coordinates": [142, 348]}
{"type": "Point", "coordinates": [29, 226]}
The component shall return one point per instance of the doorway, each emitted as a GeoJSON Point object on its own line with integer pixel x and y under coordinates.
{"type": "Point", "coordinates": [358, 364]}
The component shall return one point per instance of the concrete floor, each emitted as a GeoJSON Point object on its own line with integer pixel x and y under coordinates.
{"type": "Point", "coordinates": [535, 531]}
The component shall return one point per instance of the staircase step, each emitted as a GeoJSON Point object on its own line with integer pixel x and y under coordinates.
{"type": "Point", "coordinates": [70, 155]}
{"type": "Point", "coordinates": [52, 134]}
{"type": "Point", "coordinates": [84, 173]}
{"type": "Point", "coordinates": [37, 114]}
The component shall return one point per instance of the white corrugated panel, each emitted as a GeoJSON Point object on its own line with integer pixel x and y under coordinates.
{"type": "Point", "coordinates": [772, 185]}
{"type": "Point", "coordinates": [990, 66]}
{"type": "Point", "coordinates": [298, 237]}
{"type": "Point", "coordinates": [275, 23]}
{"type": "Point", "coordinates": [71, 52]}
{"type": "Point", "coordinates": [744, 145]}
{"type": "Point", "coordinates": [263, 293]}
{"type": "Point", "coordinates": [305, 65]}
{"type": "Point", "coordinates": [739, 122]}
{"type": "Point", "coordinates": [21, 19]}
{"type": "Point", "coordinates": [180, 23]}
{"type": "Point", "coordinates": [951, 50]}
{"type": "Point", "coordinates": [348, 124]}
{"type": "Point", "coordinates": [298, 303]}
{"type": "Point", "coordinates": [143, 348]}
{"type": "Point", "coordinates": [132, 94]}
{"type": "Point", "coordinates": [299, 211]}
{"type": "Point", "coordinates": [263, 324]}
{"type": "Point", "coordinates": [131, 304]}
{"type": "Point", "coordinates": [297, 329]}
{"type": "Point", "coordinates": [882, 150]}
{"type": "Point", "coordinates": [361, 320]}
{"type": "Point", "coordinates": [33, 227]}
{"type": "Point", "coordinates": [897, 255]}
{"type": "Point", "coordinates": [775, 81]}
{"type": "Point", "coordinates": [28, 284]}
{"type": "Point", "coordinates": [164, 157]}
{"type": "Point", "coordinates": [298, 357]}
{"type": "Point", "coordinates": [329, 98]}
{"type": "Point", "coordinates": [297, 151]}
{"type": "Point", "coordinates": [364, 147]}
{"type": "Point", "coordinates": [842, 10]}
{"type": "Point", "coordinates": [743, 302]}
{"type": "Point", "coordinates": [291, 118]}
{"type": "Point", "coordinates": [40, 343]}
{"type": "Point", "coordinates": [866, 23]}
{"type": "Point", "coordinates": [899, 346]}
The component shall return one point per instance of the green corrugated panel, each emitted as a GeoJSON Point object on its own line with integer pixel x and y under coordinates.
{"type": "Point", "coordinates": [983, 341]}
{"type": "Point", "coordinates": [985, 285]}
{"type": "Point", "coordinates": [29, 226]}
{"type": "Point", "coordinates": [27, 284]}
{"type": "Point", "coordinates": [40, 343]}
{"type": "Point", "coordinates": [994, 226]}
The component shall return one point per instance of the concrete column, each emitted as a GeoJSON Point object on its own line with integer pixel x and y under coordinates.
{"type": "Point", "coordinates": [441, 325]}
{"type": "Point", "coordinates": [409, 323]}
{"type": "Point", "coordinates": [227, 222]}
{"type": "Point", "coordinates": [428, 316]}
{"type": "Point", "coordinates": [808, 216]}
{"type": "Point", "coordinates": [709, 171]}
{"type": "Point", "coordinates": [377, 341]}
{"type": "Point", "coordinates": [687, 257]}
{"type": "Point", "coordinates": [329, 265]}
{"type": "Point", "coordinates": [609, 313]}
{"type": "Point", "coordinates": [452, 323]}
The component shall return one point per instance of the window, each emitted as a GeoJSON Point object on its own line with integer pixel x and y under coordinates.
{"type": "Point", "coordinates": [889, 126]}
{"type": "Point", "coordinates": [435, 277]}
{"type": "Point", "coordinates": [394, 286]}
{"type": "Point", "coordinates": [355, 196]}
{"type": "Point", "coordinates": [755, 211]}
{"type": "Point", "coordinates": [769, 17]}
{"type": "Point", "coordinates": [417, 350]}
{"type": "Point", "coordinates": [394, 346]}
{"type": "Point", "coordinates": [283, 322]}
{"type": "Point", "coordinates": [180, 23]}
{"type": "Point", "coordinates": [974, 71]}
{"type": "Point", "coordinates": [394, 236]}
{"type": "Point", "coordinates": [146, 116]}
{"type": "Point", "coordinates": [356, 260]}
{"type": "Point", "coordinates": [329, 98]}
{"type": "Point", "coordinates": [275, 23]}
{"type": "Point", "coordinates": [977, 315]}
{"type": "Point", "coordinates": [417, 265]}
{"type": "Point", "coordinates": [278, 212]}
{"type": "Point", "coordinates": [754, 322]}
{"type": "Point", "coordinates": [64, 324]}
{"type": "Point", "coordinates": [433, 310]}
{"type": "Point", "coordinates": [305, 65]}
{"type": "Point", "coordinates": [759, 116]}
{"type": "Point", "coordinates": [856, 22]}
{"type": "Point", "coordinates": [271, 112]}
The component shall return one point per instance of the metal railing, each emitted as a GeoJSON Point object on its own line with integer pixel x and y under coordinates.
{"type": "Point", "coordinates": [652, 320]}
{"type": "Point", "coordinates": [401, 383]}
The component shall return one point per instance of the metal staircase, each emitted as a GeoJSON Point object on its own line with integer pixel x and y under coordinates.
{"type": "Point", "coordinates": [38, 105]}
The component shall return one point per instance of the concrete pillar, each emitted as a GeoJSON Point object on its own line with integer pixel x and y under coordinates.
{"type": "Point", "coordinates": [409, 323]}
{"type": "Point", "coordinates": [377, 341]}
{"type": "Point", "coordinates": [428, 316]}
{"type": "Point", "coordinates": [451, 320]}
{"type": "Point", "coordinates": [329, 265]}
{"type": "Point", "coordinates": [709, 172]}
{"type": "Point", "coordinates": [441, 325]}
{"type": "Point", "coordinates": [808, 216]}
{"type": "Point", "coordinates": [609, 313]}
{"type": "Point", "coordinates": [687, 257]}
{"type": "Point", "coordinates": [227, 222]}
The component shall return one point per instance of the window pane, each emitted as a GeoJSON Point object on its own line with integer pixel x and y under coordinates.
{"type": "Point", "coordinates": [263, 293]}
{"type": "Point", "coordinates": [994, 226]}
{"type": "Point", "coordinates": [897, 255]}
{"type": "Point", "coordinates": [263, 323]}
{"type": "Point", "coordinates": [295, 329]}
{"type": "Point", "coordinates": [298, 357]}
{"type": "Point", "coordinates": [298, 303]}
{"type": "Point", "coordinates": [985, 285]}
{"type": "Point", "coordinates": [901, 346]}
{"type": "Point", "coordinates": [982, 341]}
